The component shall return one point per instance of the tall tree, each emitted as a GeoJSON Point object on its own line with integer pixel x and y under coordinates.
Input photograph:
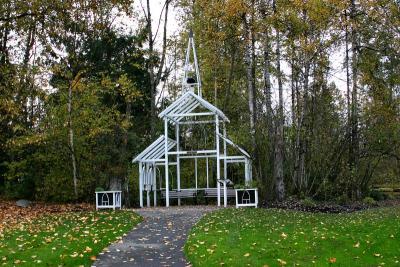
{"type": "Point", "coordinates": [279, 142]}
{"type": "Point", "coordinates": [155, 70]}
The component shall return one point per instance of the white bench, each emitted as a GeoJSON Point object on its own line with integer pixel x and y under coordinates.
{"type": "Point", "coordinates": [213, 192]}
{"type": "Point", "coordinates": [183, 193]}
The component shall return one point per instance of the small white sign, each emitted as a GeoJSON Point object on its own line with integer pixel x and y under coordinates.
{"type": "Point", "coordinates": [247, 197]}
{"type": "Point", "coordinates": [108, 200]}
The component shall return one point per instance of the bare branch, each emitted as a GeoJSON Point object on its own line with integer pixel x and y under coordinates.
{"type": "Point", "coordinates": [159, 20]}
{"type": "Point", "coordinates": [164, 47]}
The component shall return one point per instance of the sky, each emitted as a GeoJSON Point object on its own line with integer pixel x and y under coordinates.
{"type": "Point", "coordinates": [337, 73]}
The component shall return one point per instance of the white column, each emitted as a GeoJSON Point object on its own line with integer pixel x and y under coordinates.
{"type": "Point", "coordinates": [225, 163]}
{"type": "Point", "coordinates": [246, 172]}
{"type": "Point", "coordinates": [225, 169]}
{"type": "Point", "coordinates": [178, 162]}
{"type": "Point", "coordinates": [155, 185]}
{"type": "Point", "coordinates": [140, 185]}
{"type": "Point", "coordinates": [97, 200]}
{"type": "Point", "coordinates": [225, 195]}
{"type": "Point", "coordinates": [113, 194]}
{"type": "Point", "coordinates": [218, 163]}
{"type": "Point", "coordinates": [166, 162]}
{"type": "Point", "coordinates": [148, 179]}
{"type": "Point", "coordinates": [195, 171]}
{"type": "Point", "coordinates": [148, 197]}
{"type": "Point", "coordinates": [207, 171]}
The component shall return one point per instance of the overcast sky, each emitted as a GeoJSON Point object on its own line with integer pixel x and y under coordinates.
{"type": "Point", "coordinates": [337, 74]}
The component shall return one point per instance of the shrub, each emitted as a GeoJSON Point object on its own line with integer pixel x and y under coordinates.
{"type": "Point", "coordinates": [342, 200]}
{"type": "Point", "coordinates": [369, 201]}
{"type": "Point", "coordinates": [390, 196]}
{"type": "Point", "coordinates": [377, 195]}
{"type": "Point", "coordinates": [20, 189]}
{"type": "Point", "coordinates": [308, 202]}
{"type": "Point", "coordinates": [99, 188]}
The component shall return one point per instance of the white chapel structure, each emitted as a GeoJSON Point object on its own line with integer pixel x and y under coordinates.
{"type": "Point", "coordinates": [165, 154]}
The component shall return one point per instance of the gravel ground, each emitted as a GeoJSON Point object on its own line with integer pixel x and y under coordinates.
{"type": "Point", "coordinates": [157, 241]}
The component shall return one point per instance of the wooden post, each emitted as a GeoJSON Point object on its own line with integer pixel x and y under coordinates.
{"type": "Point", "coordinates": [195, 171]}
{"type": "Point", "coordinates": [218, 163]}
{"type": "Point", "coordinates": [246, 172]}
{"type": "Point", "coordinates": [155, 185]}
{"type": "Point", "coordinates": [225, 163]}
{"type": "Point", "coordinates": [178, 163]}
{"type": "Point", "coordinates": [97, 200]}
{"type": "Point", "coordinates": [148, 197]}
{"type": "Point", "coordinates": [225, 195]}
{"type": "Point", "coordinates": [225, 168]}
{"type": "Point", "coordinates": [166, 162]}
{"type": "Point", "coordinates": [113, 194]}
{"type": "Point", "coordinates": [141, 185]}
{"type": "Point", "coordinates": [207, 171]}
{"type": "Point", "coordinates": [148, 179]}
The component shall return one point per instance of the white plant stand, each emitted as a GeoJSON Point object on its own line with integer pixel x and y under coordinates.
{"type": "Point", "coordinates": [247, 197]}
{"type": "Point", "coordinates": [108, 200]}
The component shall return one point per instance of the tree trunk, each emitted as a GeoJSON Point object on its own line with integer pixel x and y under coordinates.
{"type": "Point", "coordinates": [295, 104]}
{"type": "Point", "coordinates": [25, 79]}
{"type": "Point", "coordinates": [279, 143]}
{"type": "Point", "coordinates": [230, 78]}
{"type": "Point", "coordinates": [347, 60]}
{"type": "Point", "coordinates": [299, 172]}
{"type": "Point", "coordinates": [267, 75]}
{"type": "Point", "coordinates": [4, 57]}
{"type": "Point", "coordinates": [151, 72]}
{"type": "Point", "coordinates": [155, 76]}
{"type": "Point", "coordinates": [125, 183]}
{"type": "Point", "coordinates": [354, 96]}
{"type": "Point", "coordinates": [71, 137]}
{"type": "Point", "coordinates": [250, 82]}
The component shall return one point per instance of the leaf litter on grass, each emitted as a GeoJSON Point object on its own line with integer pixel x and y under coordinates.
{"type": "Point", "coordinates": [67, 238]}
{"type": "Point", "coordinates": [297, 238]}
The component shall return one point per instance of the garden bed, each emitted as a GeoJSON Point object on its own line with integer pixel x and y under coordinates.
{"type": "Point", "coordinates": [11, 215]}
{"type": "Point", "coordinates": [327, 207]}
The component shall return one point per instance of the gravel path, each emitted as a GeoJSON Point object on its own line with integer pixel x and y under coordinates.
{"type": "Point", "coordinates": [157, 241]}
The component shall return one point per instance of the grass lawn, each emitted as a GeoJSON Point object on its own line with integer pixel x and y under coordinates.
{"type": "Point", "coordinates": [261, 237]}
{"type": "Point", "coordinates": [66, 239]}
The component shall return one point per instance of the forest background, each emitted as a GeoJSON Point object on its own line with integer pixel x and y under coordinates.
{"type": "Point", "coordinates": [311, 89]}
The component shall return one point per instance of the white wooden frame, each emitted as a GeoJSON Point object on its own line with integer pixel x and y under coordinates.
{"type": "Point", "coordinates": [116, 200]}
{"type": "Point", "coordinates": [183, 111]}
{"type": "Point", "coordinates": [255, 204]}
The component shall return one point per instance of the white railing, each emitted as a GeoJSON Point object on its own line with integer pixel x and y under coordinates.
{"type": "Point", "coordinates": [108, 200]}
{"type": "Point", "coordinates": [246, 197]}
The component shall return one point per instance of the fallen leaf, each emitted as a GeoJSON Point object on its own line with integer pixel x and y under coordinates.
{"type": "Point", "coordinates": [282, 262]}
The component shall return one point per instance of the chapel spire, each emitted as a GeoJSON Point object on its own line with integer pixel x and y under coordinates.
{"type": "Point", "coordinates": [191, 78]}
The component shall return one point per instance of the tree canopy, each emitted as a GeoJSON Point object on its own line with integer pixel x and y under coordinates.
{"type": "Point", "coordinates": [311, 89]}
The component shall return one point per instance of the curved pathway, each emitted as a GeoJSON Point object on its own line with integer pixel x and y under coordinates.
{"type": "Point", "coordinates": [157, 241]}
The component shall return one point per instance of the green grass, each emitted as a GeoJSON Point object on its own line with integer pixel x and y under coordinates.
{"type": "Point", "coordinates": [260, 237]}
{"type": "Point", "coordinates": [68, 239]}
